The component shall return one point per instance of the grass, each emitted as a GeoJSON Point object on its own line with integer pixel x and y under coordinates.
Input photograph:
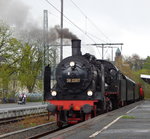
{"type": "Point", "coordinates": [31, 122]}
{"type": "Point", "coordinates": [128, 117]}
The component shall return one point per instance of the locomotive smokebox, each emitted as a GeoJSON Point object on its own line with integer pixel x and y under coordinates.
{"type": "Point", "coordinates": [76, 47]}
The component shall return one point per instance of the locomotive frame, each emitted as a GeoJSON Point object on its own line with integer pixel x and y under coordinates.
{"type": "Point", "coordinates": [86, 87]}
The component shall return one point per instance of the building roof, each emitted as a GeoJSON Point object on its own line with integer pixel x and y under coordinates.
{"type": "Point", "coordinates": [146, 78]}
{"type": "Point", "coordinates": [118, 51]}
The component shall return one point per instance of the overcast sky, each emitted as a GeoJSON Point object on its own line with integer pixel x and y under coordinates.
{"type": "Point", "coordinates": [117, 21]}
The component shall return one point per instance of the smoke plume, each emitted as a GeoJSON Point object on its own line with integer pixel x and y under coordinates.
{"type": "Point", "coordinates": [55, 33]}
{"type": "Point", "coordinates": [66, 33]}
{"type": "Point", "coordinates": [16, 13]}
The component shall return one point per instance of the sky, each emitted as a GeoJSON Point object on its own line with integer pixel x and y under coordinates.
{"type": "Point", "coordinates": [104, 21]}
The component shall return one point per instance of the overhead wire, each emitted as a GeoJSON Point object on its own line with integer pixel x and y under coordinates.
{"type": "Point", "coordinates": [71, 21]}
{"type": "Point", "coordinates": [89, 20]}
{"type": "Point", "coordinates": [86, 33]}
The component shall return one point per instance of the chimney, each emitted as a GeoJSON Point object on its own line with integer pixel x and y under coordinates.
{"type": "Point", "coordinates": [76, 47]}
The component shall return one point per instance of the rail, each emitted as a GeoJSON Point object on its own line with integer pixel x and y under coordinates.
{"type": "Point", "coordinates": [31, 132]}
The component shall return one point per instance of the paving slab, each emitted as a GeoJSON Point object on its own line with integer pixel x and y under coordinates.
{"type": "Point", "coordinates": [136, 125]}
{"type": "Point", "coordinates": [129, 122]}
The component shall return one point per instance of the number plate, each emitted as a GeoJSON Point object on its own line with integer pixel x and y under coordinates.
{"type": "Point", "coordinates": [74, 80]}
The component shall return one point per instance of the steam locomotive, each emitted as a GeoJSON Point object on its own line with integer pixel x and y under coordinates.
{"type": "Point", "coordinates": [86, 87]}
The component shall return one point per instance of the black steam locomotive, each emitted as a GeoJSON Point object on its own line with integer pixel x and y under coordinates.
{"type": "Point", "coordinates": [86, 87]}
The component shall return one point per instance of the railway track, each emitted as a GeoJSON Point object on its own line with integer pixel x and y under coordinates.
{"type": "Point", "coordinates": [30, 133]}
{"type": "Point", "coordinates": [16, 119]}
{"type": "Point", "coordinates": [105, 119]}
{"type": "Point", "coordinates": [51, 129]}
{"type": "Point", "coordinates": [47, 132]}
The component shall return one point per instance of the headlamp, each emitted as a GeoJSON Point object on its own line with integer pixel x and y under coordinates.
{"type": "Point", "coordinates": [72, 64]}
{"type": "Point", "coordinates": [89, 93]}
{"type": "Point", "coordinates": [53, 93]}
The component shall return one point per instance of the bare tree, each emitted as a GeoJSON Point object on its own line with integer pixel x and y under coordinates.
{"type": "Point", "coordinates": [135, 62]}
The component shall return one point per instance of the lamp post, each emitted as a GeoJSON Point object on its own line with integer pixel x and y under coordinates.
{"type": "Point", "coordinates": [61, 37]}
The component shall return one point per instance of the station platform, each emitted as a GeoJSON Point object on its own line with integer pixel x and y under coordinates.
{"type": "Point", "coordinates": [14, 109]}
{"type": "Point", "coordinates": [129, 122]}
{"type": "Point", "coordinates": [15, 105]}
